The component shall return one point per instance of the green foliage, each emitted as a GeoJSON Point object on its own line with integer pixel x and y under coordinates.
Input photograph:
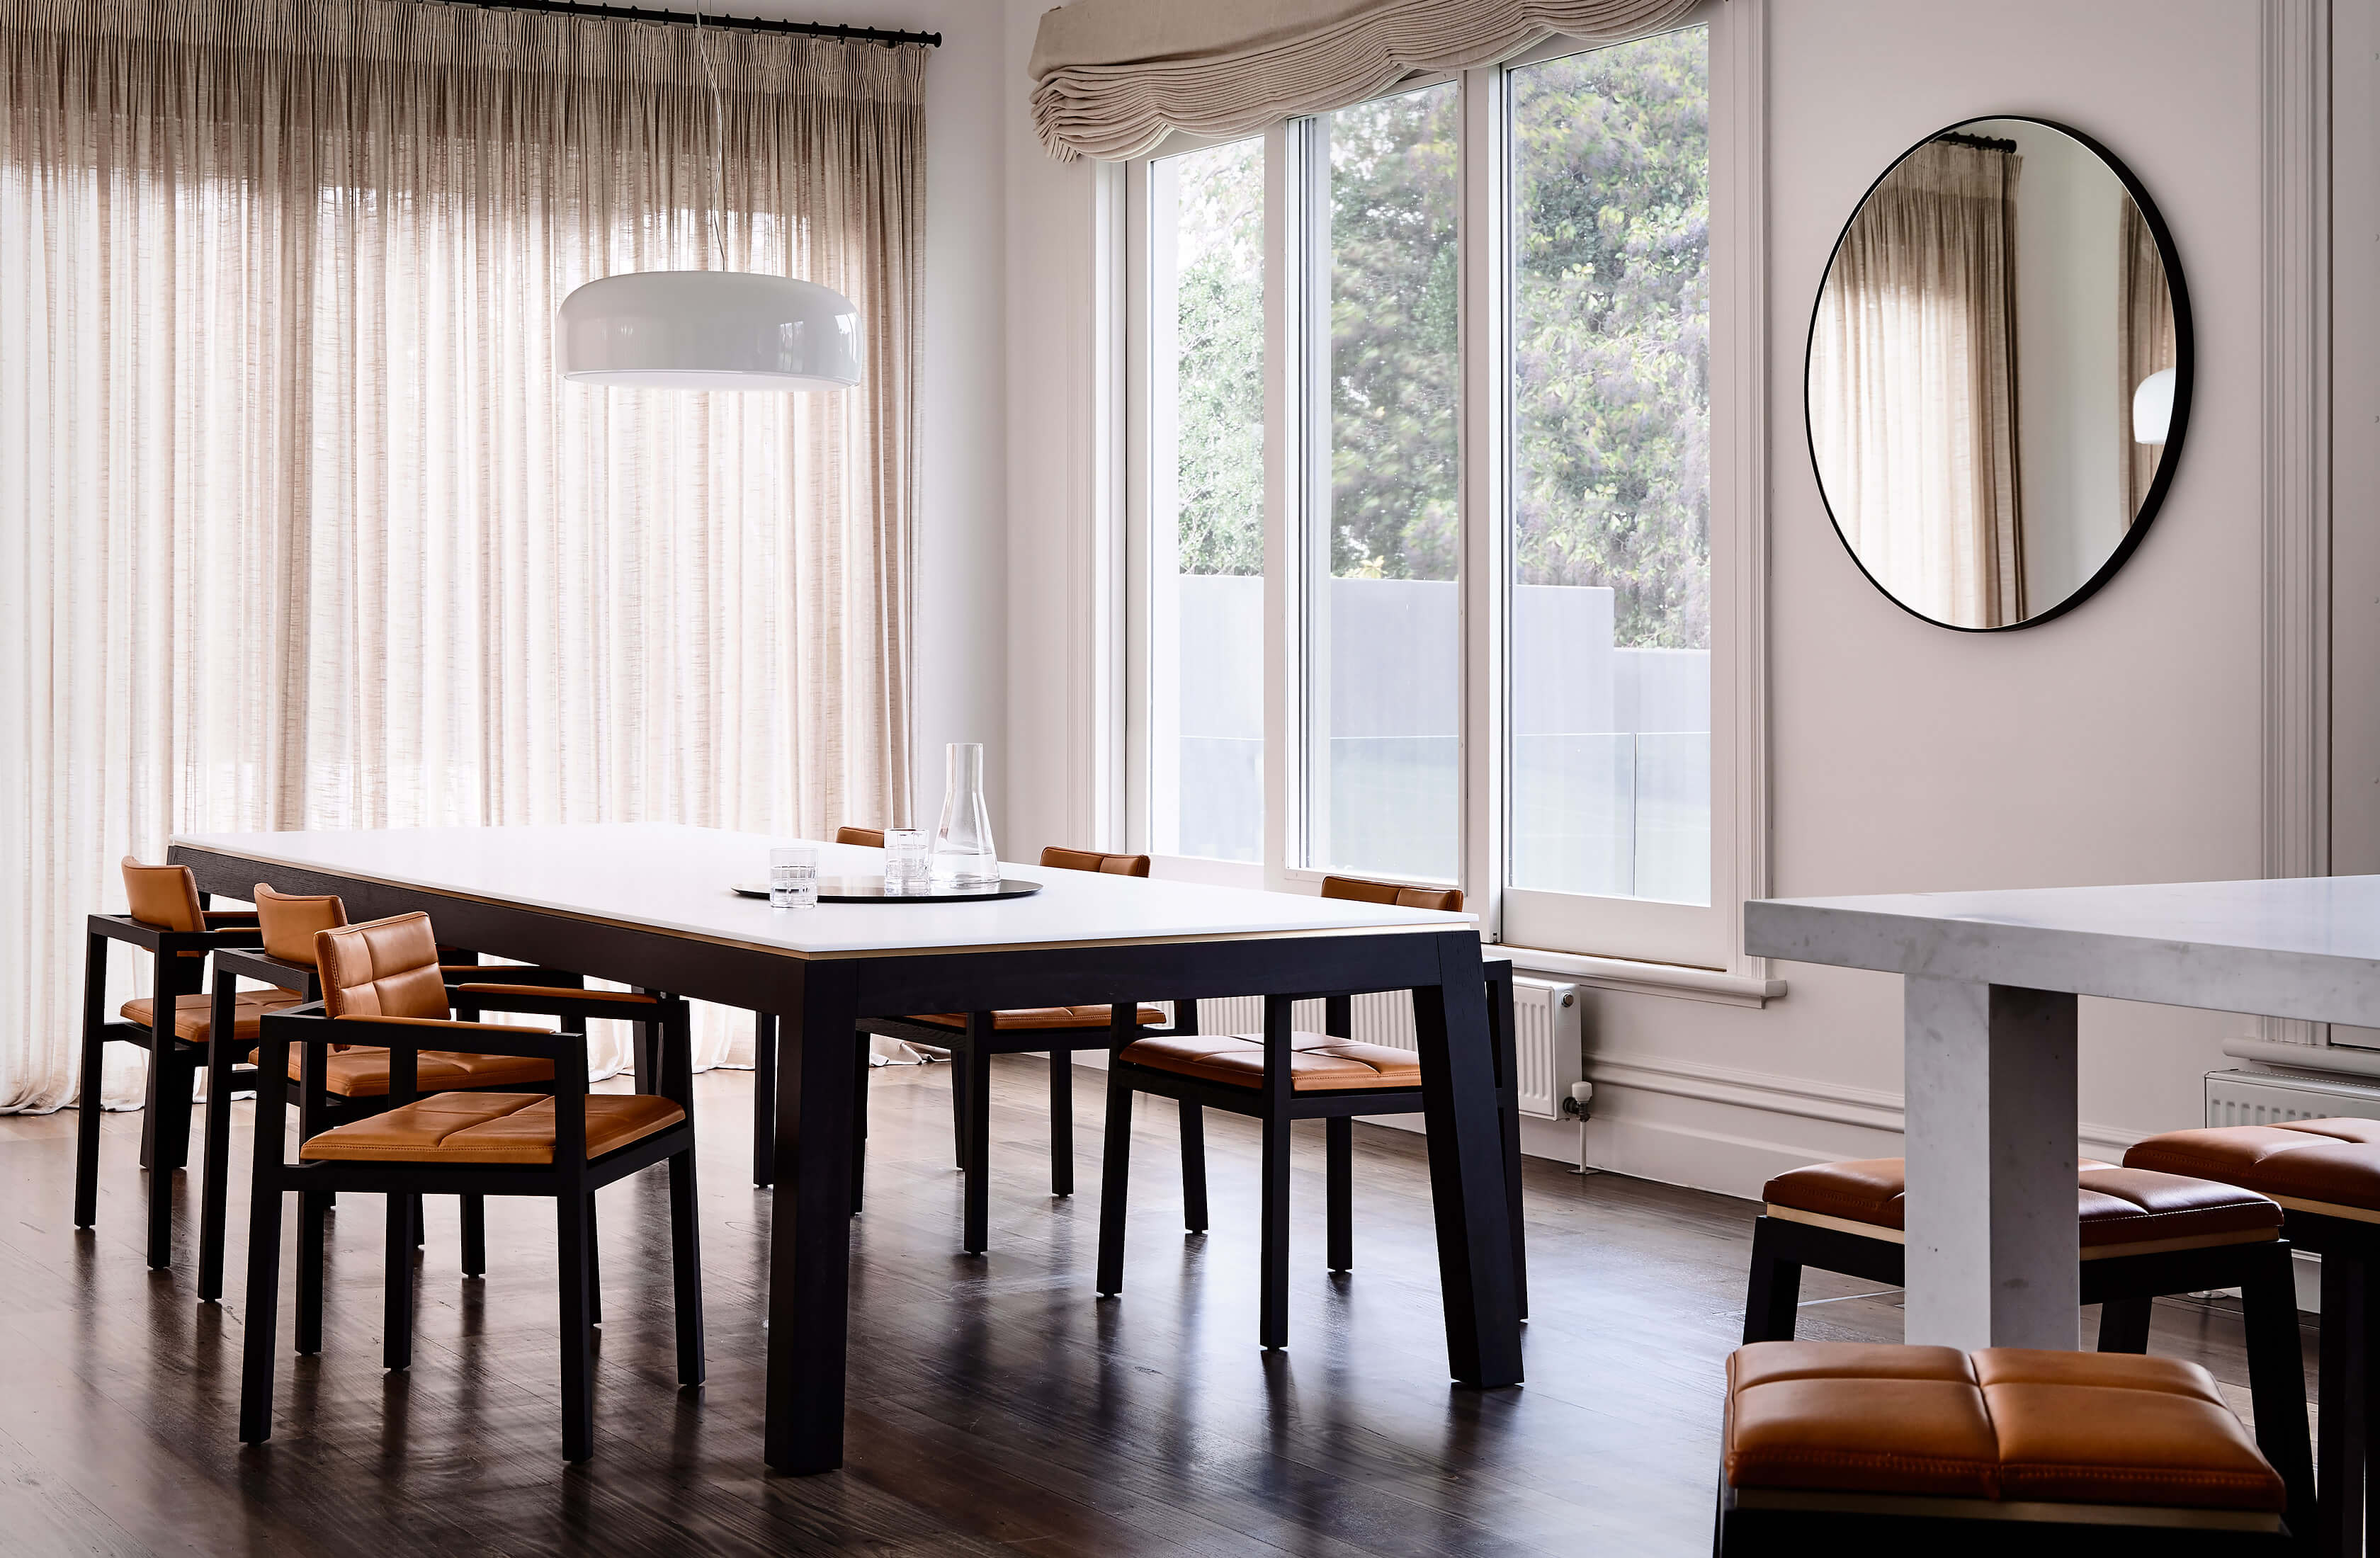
{"type": "Point", "coordinates": [1611, 332]}
{"type": "Point", "coordinates": [1219, 471]}
{"type": "Point", "coordinates": [1610, 354]}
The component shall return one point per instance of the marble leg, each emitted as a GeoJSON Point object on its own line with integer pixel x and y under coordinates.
{"type": "Point", "coordinates": [1994, 1257]}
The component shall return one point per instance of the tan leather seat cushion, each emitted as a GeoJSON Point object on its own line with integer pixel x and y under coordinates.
{"type": "Point", "coordinates": [2335, 1160]}
{"type": "Point", "coordinates": [362, 1070]}
{"type": "Point", "coordinates": [194, 1014]}
{"type": "Point", "coordinates": [506, 1128]}
{"type": "Point", "coordinates": [1318, 1063]}
{"type": "Point", "coordinates": [2115, 1205]}
{"type": "Point", "coordinates": [2063, 1427]}
{"type": "Point", "coordinates": [1038, 1017]}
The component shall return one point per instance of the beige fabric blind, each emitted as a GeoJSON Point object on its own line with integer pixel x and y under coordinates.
{"type": "Point", "coordinates": [1114, 78]}
{"type": "Point", "coordinates": [301, 528]}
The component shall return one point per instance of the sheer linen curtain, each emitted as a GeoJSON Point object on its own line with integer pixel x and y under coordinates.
{"type": "Point", "coordinates": [301, 528]}
{"type": "Point", "coordinates": [1912, 385]}
{"type": "Point", "coordinates": [2144, 323]}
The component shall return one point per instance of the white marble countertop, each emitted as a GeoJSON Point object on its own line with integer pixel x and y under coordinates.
{"type": "Point", "coordinates": [680, 878]}
{"type": "Point", "coordinates": [2304, 946]}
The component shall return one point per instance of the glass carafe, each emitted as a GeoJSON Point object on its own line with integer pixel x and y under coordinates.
{"type": "Point", "coordinates": [963, 856]}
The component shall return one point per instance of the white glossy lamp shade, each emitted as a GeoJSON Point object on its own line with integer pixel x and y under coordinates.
{"type": "Point", "coordinates": [708, 330]}
{"type": "Point", "coordinates": [2153, 407]}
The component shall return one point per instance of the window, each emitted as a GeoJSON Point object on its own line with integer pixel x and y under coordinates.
{"type": "Point", "coordinates": [1205, 460]}
{"type": "Point", "coordinates": [1470, 626]}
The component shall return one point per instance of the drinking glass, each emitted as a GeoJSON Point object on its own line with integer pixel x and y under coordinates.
{"type": "Point", "coordinates": [963, 856]}
{"type": "Point", "coordinates": [793, 877]}
{"type": "Point", "coordinates": [906, 852]}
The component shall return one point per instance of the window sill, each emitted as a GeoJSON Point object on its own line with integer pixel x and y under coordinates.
{"type": "Point", "coordinates": [1645, 979]}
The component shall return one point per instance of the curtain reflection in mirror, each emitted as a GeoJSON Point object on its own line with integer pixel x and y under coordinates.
{"type": "Point", "coordinates": [1913, 385]}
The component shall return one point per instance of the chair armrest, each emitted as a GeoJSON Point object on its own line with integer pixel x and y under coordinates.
{"type": "Point", "coordinates": [624, 1005]}
{"type": "Point", "coordinates": [510, 974]}
{"type": "Point", "coordinates": [230, 917]}
{"type": "Point", "coordinates": [447, 1032]}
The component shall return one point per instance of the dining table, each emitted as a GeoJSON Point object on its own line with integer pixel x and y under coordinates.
{"type": "Point", "coordinates": [1990, 980]}
{"type": "Point", "coordinates": [654, 905]}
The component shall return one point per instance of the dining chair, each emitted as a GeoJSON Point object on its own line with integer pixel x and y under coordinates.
{"type": "Point", "coordinates": [383, 986]}
{"type": "Point", "coordinates": [972, 1039]}
{"type": "Point", "coordinates": [1279, 1077]}
{"type": "Point", "coordinates": [353, 1082]}
{"type": "Point", "coordinates": [167, 917]}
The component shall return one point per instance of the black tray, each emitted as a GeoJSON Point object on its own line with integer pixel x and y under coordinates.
{"type": "Point", "coordinates": [870, 890]}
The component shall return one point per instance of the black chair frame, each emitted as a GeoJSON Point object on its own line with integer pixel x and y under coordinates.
{"type": "Point", "coordinates": [319, 1109]}
{"type": "Point", "coordinates": [180, 966]}
{"type": "Point", "coordinates": [571, 1180]}
{"type": "Point", "coordinates": [2122, 1284]}
{"type": "Point", "coordinates": [1854, 1523]}
{"type": "Point", "coordinates": [1278, 1106]}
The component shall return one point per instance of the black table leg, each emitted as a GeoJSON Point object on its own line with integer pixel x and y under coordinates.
{"type": "Point", "coordinates": [809, 1248]}
{"type": "Point", "coordinates": [764, 1099]}
{"type": "Point", "coordinates": [1466, 1167]}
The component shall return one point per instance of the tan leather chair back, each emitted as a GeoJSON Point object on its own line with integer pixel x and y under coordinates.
{"type": "Point", "coordinates": [1403, 897]}
{"type": "Point", "coordinates": [163, 896]}
{"type": "Point", "coordinates": [291, 921]}
{"type": "Point", "coordinates": [382, 968]}
{"type": "Point", "coordinates": [871, 836]}
{"type": "Point", "coordinates": [1091, 860]}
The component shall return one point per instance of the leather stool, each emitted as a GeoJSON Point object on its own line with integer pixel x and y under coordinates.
{"type": "Point", "coordinates": [2326, 1174]}
{"type": "Point", "coordinates": [1858, 1447]}
{"type": "Point", "coordinates": [2142, 1234]}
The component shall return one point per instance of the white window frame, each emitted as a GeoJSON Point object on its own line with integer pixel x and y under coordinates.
{"type": "Point", "coordinates": [1574, 929]}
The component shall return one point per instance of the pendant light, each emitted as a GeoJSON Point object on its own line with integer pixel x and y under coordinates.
{"type": "Point", "coordinates": [709, 330]}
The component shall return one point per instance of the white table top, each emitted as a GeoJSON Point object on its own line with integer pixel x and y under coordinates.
{"type": "Point", "coordinates": [2303, 947]}
{"type": "Point", "coordinates": [679, 878]}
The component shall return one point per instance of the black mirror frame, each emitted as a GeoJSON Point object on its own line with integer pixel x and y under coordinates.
{"type": "Point", "coordinates": [2184, 363]}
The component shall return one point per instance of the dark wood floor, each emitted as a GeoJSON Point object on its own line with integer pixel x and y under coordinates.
{"type": "Point", "coordinates": [996, 1405]}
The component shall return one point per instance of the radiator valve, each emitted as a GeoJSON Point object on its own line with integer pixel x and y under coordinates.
{"type": "Point", "coordinates": [1574, 1107]}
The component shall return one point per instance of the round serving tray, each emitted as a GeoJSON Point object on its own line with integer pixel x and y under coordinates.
{"type": "Point", "coordinates": [870, 890]}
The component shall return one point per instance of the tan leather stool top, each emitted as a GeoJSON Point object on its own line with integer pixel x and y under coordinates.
{"type": "Point", "coordinates": [2122, 1210]}
{"type": "Point", "coordinates": [2007, 1423]}
{"type": "Point", "coordinates": [2329, 1166]}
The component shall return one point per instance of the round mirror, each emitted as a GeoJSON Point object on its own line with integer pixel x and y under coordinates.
{"type": "Point", "coordinates": [1998, 373]}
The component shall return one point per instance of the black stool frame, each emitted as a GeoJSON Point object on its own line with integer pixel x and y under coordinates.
{"type": "Point", "coordinates": [1840, 1523]}
{"type": "Point", "coordinates": [2349, 1249]}
{"type": "Point", "coordinates": [571, 1179]}
{"type": "Point", "coordinates": [2122, 1286]}
{"type": "Point", "coordinates": [1277, 1105]}
{"type": "Point", "coordinates": [174, 1061]}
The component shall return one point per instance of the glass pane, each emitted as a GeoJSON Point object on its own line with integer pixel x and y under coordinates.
{"type": "Point", "coordinates": [1383, 633]}
{"type": "Point", "coordinates": [1206, 468]}
{"type": "Point", "coordinates": [1610, 481]}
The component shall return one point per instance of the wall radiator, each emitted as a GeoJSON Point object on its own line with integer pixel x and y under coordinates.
{"type": "Point", "coordinates": [1545, 1024]}
{"type": "Point", "coordinates": [2270, 1098]}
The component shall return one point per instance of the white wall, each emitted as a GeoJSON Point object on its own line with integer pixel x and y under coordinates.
{"type": "Point", "coordinates": [962, 605]}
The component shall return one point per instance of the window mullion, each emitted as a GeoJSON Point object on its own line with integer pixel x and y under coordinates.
{"type": "Point", "coordinates": [1484, 311]}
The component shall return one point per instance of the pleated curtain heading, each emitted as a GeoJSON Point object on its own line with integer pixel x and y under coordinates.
{"type": "Point", "coordinates": [1112, 79]}
{"type": "Point", "coordinates": [299, 527]}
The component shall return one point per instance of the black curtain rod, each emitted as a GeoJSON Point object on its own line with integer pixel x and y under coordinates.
{"type": "Point", "coordinates": [1980, 142]}
{"type": "Point", "coordinates": [740, 24]}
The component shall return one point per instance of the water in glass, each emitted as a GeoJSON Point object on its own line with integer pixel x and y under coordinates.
{"type": "Point", "coordinates": [793, 877]}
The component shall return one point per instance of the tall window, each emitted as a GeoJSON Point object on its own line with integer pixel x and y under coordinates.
{"type": "Point", "coordinates": [1383, 535]}
{"type": "Point", "coordinates": [1609, 490]}
{"type": "Point", "coordinates": [1472, 428]}
{"type": "Point", "coordinates": [1205, 463]}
